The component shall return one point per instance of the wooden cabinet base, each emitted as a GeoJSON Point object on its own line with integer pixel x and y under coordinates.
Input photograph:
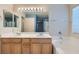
{"type": "Point", "coordinates": [25, 46]}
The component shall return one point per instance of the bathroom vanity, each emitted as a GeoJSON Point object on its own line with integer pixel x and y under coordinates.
{"type": "Point", "coordinates": [20, 32]}
{"type": "Point", "coordinates": [26, 44]}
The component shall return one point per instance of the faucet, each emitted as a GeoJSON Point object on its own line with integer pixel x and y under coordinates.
{"type": "Point", "coordinates": [40, 33]}
{"type": "Point", "coordinates": [12, 29]}
{"type": "Point", "coordinates": [60, 35]}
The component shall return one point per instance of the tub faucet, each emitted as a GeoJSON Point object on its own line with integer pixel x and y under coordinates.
{"type": "Point", "coordinates": [60, 35]}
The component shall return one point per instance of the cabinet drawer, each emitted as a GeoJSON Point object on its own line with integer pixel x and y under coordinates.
{"type": "Point", "coordinates": [35, 40]}
{"type": "Point", "coordinates": [45, 41]}
{"type": "Point", "coordinates": [25, 40]}
{"type": "Point", "coordinates": [41, 40]}
{"type": "Point", "coordinates": [11, 40]}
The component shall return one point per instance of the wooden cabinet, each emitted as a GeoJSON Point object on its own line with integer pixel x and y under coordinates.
{"type": "Point", "coordinates": [26, 46]}
{"type": "Point", "coordinates": [0, 45]}
{"type": "Point", "coordinates": [6, 48]}
{"type": "Point", "coordinates": [16, 48]}
{"type": "Point", "coordinates": [41, 46]}
{"type": "Point", "coordinates": [11, 46]}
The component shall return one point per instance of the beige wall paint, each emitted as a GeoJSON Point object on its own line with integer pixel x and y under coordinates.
{"type": "Point", "coordinates": [29, 24]}
{"type": "Point", "coordinates": [16, 6]}
{"type": "Point", "coordinates": [69, 21]}
{"type": "Point", "coordinates": [73, 5]}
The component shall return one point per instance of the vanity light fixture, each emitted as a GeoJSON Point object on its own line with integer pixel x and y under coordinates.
{"type": "Point", "coordinates": [31, 9]}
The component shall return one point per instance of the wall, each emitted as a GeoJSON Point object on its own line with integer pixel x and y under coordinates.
{"type": "Point", "coordinates": [58, 19]}
{"type": "Point", "coordinates": [28, 24]}
{"type": "Point", "coordinates": [16, 6]}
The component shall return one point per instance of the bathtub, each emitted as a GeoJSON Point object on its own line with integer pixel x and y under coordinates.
{"type": "Point", "coordinates": [67, 45]}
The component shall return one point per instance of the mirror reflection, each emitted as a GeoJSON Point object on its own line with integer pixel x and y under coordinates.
{"type": "Point", "coordinates": [10, 19]}
{"type": "Point", "coordinates": [35, 23]}
{"type": "Point", "coordinates": [28, 19]}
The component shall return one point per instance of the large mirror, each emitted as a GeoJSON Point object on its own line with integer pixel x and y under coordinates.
{"type": "Point", "coordinates": [35, 22]}
{"type": "Point", "coordinates": [30, 19]}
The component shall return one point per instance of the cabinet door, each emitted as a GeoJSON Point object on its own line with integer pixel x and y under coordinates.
{"type": "Point", "coordinates": [36, 48]}
{"type": "Point", "coordinates": [0, 46]}
{"type": "Point", "coordinates": [25, 46]}
{"type": "Point", "coordinates": [11, 46]}
{"type": "Point", "coordinates": [46, 48]}
{"type": "Point", "coordinates": [6, 48]}
{"type": "Point", "coordinates": [16, 48]}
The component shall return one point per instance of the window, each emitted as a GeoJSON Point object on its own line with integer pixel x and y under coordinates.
{"type": "Point", "coordinates": [75, 20]}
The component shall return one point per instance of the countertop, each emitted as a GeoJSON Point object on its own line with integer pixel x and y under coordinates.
{"type": "Point", "coordinates": [25, 35]}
